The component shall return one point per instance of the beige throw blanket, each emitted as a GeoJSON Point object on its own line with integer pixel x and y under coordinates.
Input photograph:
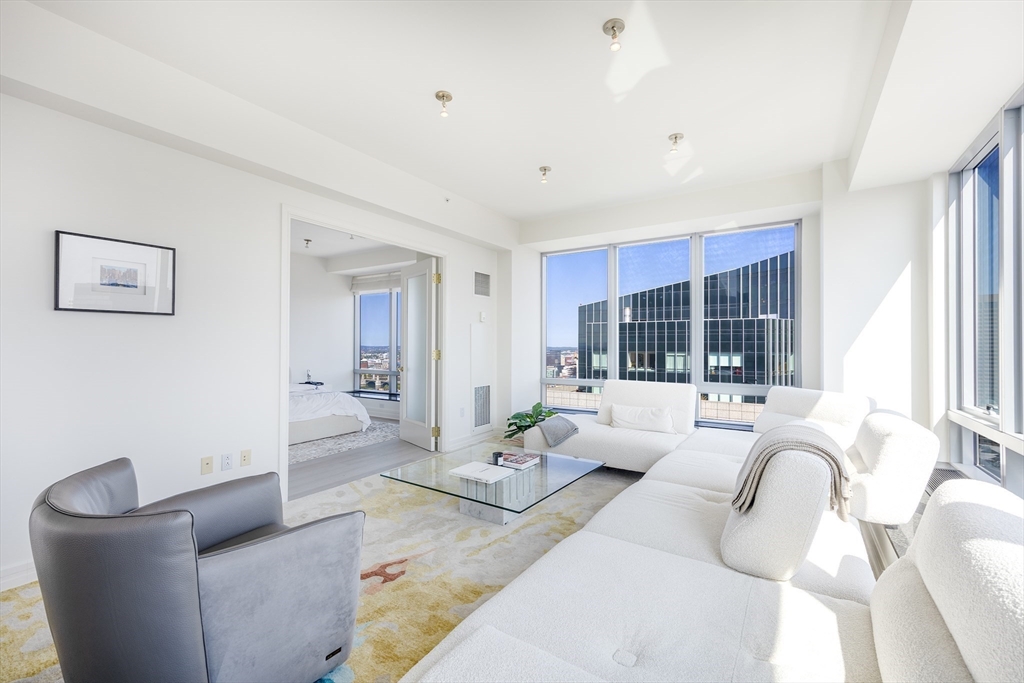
{"type": "Point", "coordinates": [793, 438]}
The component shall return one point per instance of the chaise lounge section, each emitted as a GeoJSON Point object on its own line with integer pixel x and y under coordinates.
{"type": "Point", "coordinates": [600, 607]}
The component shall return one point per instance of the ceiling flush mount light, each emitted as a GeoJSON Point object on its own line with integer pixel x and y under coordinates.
{"type": "Point", "coordinates": [675, 138]}
{"type": "Point", "coordinates": [613, 27]}
{"type": "Point", "coordinates": [307, 243]}
{"type": "Point", "coordinates": [444, 97]}
{"type": "Point", "coordinates": [544, 170]}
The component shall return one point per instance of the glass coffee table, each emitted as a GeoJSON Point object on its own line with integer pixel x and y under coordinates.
{"type": "Point", "coordinates": [503, 500]}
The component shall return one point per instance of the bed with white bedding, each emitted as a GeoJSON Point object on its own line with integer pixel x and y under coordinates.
{"type": "Point", "coordinates": [315, 414]}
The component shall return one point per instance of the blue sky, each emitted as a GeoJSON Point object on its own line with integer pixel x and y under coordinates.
{"type": "Point", "coordinates": [582, 277]}
{"type": "Point", "coordinates": [374, 315]}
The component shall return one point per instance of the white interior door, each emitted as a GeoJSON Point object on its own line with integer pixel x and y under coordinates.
{"type": "Point", "coordinates": [419, 355]}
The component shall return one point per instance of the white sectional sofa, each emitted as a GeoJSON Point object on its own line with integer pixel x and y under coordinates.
{"type": "Point", "coordinates": [889, 456]}
{"type": "Point", "coordinates": [668, 582]}
{"type": "Point", "coordinates": [601, 607]}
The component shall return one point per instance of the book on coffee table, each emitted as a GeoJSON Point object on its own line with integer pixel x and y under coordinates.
{"type": "Point", "coordinates": [520, 461]}
{"type": "Point", "coordinates": [482, 472]}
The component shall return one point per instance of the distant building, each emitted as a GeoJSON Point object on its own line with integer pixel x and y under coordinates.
{"type": "Point", "coordinates": [749, 329]}
{"type": "Point", "coordinates": [987, 355]}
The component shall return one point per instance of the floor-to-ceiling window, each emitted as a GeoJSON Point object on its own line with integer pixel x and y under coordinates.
{"type": "Point", "coordinates": [378, 341]}
{"type": "Point", "coordinates": [987, 251]}
{"type": "Point", "coordinates": [734, 337]}
{"type": "Point", "coordinates": [576, 328]}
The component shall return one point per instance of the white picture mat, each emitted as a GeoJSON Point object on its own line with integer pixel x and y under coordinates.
{"type": "Point", "coordinates": [79, 286]}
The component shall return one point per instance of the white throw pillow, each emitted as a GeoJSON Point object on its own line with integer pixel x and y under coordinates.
{"type": "Point", "coordinates": [644, 419]}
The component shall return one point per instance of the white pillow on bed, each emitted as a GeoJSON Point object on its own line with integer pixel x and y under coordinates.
{"type": "Point", "coordinates": [644, 419]}
{"type": "Point", "coordinates": [300, 388]}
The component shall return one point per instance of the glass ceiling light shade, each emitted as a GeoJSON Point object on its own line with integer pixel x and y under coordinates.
{"type": "Point", "coordinates": [613, 27]}
{"type": "Point", "coordinates": [444, 97]}
{"type": "Point", "coordinates": [544, 170]}
{"type": "Point", "coordinates": [675, 138]}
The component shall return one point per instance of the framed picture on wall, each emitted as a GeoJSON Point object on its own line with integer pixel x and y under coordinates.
{"type": "Point", "coordinates": [112, 276]}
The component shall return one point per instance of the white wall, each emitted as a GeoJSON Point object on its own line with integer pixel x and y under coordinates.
{"type": "Point", "coordinates": [874, 277]}
{"type": "Point", "coordinates": [321, 323]}
{"type": "Point", "coordinates": [81, 388]}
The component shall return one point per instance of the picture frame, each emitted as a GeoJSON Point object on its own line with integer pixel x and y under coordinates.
{"type": "Point", "coordinates": [106, 275]}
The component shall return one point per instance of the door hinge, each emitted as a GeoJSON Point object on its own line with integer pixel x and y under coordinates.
{"type": "Point", "coordinates": [435, 432]}
{"type": "Point", "coordinates": [437, 354]}
{"type": "Point", "coordinates": [437, 278]}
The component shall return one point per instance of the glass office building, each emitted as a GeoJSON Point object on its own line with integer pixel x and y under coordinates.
{"type": "Point", "coordinates": [749, 330]}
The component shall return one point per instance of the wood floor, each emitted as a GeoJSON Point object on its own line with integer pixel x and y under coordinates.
{"type": "Point", "coordinates": [319, 474]}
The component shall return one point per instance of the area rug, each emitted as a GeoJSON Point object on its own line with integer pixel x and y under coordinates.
{"type": "Point", "coordinates": [425, 568]}
{"type": "Point", "coordinates": [310, 450]}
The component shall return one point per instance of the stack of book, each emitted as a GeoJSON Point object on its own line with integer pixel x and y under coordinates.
{"type": "Point", "coordinates": [520, 461]}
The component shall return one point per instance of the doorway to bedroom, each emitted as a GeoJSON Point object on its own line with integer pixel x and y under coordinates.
{"type": "Point", "coordinates": [347, 328]}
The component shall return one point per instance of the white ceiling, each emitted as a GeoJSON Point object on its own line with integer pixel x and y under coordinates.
{"type": "Point", "coordinates": [760, 89]}
{"type": "Point", "coordinates": [327, 242]}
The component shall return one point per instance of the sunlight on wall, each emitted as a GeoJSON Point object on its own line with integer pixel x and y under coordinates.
{"type": "Point", "coordinates": [879, 361]}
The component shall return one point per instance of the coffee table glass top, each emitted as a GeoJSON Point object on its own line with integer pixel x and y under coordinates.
{"type": "Point", "coordinates": [517, 493]}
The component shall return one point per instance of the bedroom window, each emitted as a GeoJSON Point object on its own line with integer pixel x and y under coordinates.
{"type": "Point", "coordinates": [986, 247]}
{"type": "Point", "coordinates": [378, 351]}
{"type": "Point", "coordinates": [733, 337]}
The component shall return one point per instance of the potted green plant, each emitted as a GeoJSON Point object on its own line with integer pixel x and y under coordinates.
{"type": "Point", "coordinates": [521, 421]}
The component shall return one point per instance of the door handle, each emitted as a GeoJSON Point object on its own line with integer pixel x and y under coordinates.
{"type": "Point", "coordinates": [401, 369]}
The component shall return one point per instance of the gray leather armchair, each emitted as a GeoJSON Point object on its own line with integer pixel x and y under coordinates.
{"type": "Point", "coordinates": [206, 586]}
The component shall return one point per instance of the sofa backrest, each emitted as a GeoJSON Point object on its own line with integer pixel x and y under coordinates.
{"type": "Point", "coordinates": [894, 457]}
{"type": "Point", "coordinates": [952, 609]}
{"type": "Point", "coordinates": [107, 489]}
{"type": "Point", "coordinates": [680, 399]}
{"type": "Point", "coordinates": [772, 538]}
{"type": "Point", "coordinates": [838, 414]}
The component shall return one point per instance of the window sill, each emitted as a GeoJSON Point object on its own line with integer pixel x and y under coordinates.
{"type": "Point", "coordinates": [966, 420]}
{"type": "Point", "coordinates": [376, 395]}
{"type": "Point", "coordinates": [721, 424]}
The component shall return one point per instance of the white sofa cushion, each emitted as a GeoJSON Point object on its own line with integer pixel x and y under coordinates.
{"type": "Point", "coordinates": [643, 419]}
{"type": "Point", "coordinates": [680, 399]}
{"type": "Point", "coordinates": [893, 457]}
{"type": "Point", "coordinates": [474, 659]}
{"type": "Point", "coordinates": [677, 519]}
{"type": "Point", "coordinates": [912, 641]}
{"type": "Point", "coordinates": [700, 469]}
{"type": "Point", "coordinates": [689, 522]}
{"type": "Point", "coordinates": [838, 414]}
{"type": "Point", "coordinates": [627, 449]}
{"type": "Point", "coordinates": [772, 537]}
{"type": "Point", "coordinates": [969, 552]}
{"type": "Point", "coordinates": [731, 442]}
{"type": "Point", "coordinates": [592, 600]}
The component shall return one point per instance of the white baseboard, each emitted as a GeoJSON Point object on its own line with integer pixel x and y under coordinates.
{"type": "Point", "coordinates": [472, 440]}
{"type": "Point", "coordinates": [17, 575]}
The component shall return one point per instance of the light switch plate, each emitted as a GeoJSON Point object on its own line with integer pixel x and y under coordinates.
{"type": "Point", "coordinates": [206, 465]}
{"type": "Point", "coordinates": [246, 458]}
{"type": "Point", "coordinates": [225, 462]}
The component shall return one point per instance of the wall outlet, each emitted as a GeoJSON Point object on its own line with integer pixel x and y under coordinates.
{"type": "Point", "coordinates": [206, 465]}
{"type": "Point", "coordinates": [462, 412]}
{"type": "Point", "coordinates": [225, 462]}
{"type": "Point", "coordinates": [246, 458]}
